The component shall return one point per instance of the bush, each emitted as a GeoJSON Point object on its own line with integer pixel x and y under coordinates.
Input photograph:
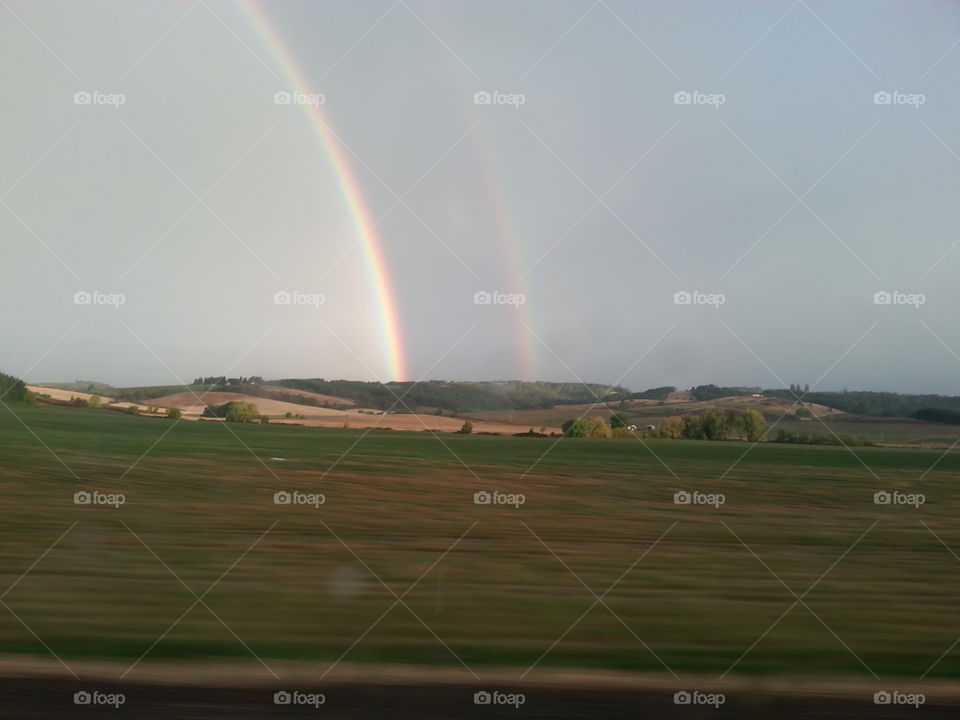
{"type": "Point", "coordinates": [619, 420]}
{"type": "Point", "coordinates": [598, 428]}
{"type": "Point", "coordinates": [264, 420]}
{"type": "Point", "coordinates": [79, 402]}
{"type": "Point", "coordinates": [241, 412]}
{"type": "Point", "coordinates": [466, 428]}
{"type": "Point", "coordinates": [174, 413]}
{"type": "Point", "coordinates": [671, 428]}
{"type": "Point", "coordinates": [575, 428]}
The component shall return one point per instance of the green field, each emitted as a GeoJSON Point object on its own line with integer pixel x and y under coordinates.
{"type": "Point", "coordinates": [203, 495]}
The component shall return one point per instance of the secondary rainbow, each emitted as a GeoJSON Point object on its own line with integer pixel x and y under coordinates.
{"type": "Point", "coordinates": [352, 192]}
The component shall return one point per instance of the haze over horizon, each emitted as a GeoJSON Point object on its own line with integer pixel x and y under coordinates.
{"type": "Point", "coordinates": [226, 168]}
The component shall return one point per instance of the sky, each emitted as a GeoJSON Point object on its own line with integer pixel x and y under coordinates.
{"type": "Point", "coordinates": [645, 194]}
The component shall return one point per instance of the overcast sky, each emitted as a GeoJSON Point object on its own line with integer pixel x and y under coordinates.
{"type": "Point", "coordinates": [736, 151]}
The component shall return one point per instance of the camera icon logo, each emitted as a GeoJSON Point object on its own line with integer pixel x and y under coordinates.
{"type": "Point", "coordinates": [82, 698]}
{"type": "Point", "coordinates": [882, 98]}
{"type": "Point", "coordinates": [282, 698]}
{"type": "Point", "coordinates": [682, 97]}
{"type": "Point", "coordinates": [882, 497]}
{"type": "Point", "coordinates": [682, 498]}
{"type": "Point", "coordinates": [282, 97]}
{"type": "Point", "coordinates": [682, 298]}
{"type": "Point", "coordinates": [82, 98]}
{"type": "Point", "coordinates": [482, 498]}
{"type": "Point", "coordinates": [882, 297]}
{"type": "Point", "coordinates": [681, 698]}
{"type": "Point", "coordinates": [282, 297]}
{"type": "Point", "coordinates": [882, 698]}
{"type": "Point", "coordinates": [482, 97]}
{"type": "Point", "coordinates": [82, 297]}
{"type": "Point", "coordinates": [482, 297]}
{"type": "Point", "coordinates": [82, 497]}
{"type": "Point", "coordinates": [482, 698]}
{"type": "Point", "coordinates": [282, 497]}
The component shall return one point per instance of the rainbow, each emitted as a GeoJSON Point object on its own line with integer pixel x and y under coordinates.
{"type": "Point", "coordinates": [361, 217]}
{"type": "Point", "coordinates": [509, 252]}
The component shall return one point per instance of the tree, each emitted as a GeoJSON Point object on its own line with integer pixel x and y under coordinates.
{"type": "Point", "coordinates": [575, 428]}
{"type": "Point", "coordinates": [174, 413]}
{"type": "Point", "coordinates": [619, 420]}
{"type": "Point", "coordinates": [692, 427]}
{"type": "Point", "coordinates": [94, 401]}
{"type": "Point", "coordinates": [804, 413]}
{"type": "Point", "coordinates": [598, 428]}
{"type": "Point", "coordinates": [753, 424]}
{"type": "Point", "coordinates": [466, 428]}
{"type": "Point", "coordinates": [242, 412]}
{"type": "Point", "coordinates": [714, 424]}
{"type": "Point", "coordinates": [671, 428]}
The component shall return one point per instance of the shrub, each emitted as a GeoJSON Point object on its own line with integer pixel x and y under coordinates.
{"type": "Point", "coordinates": [598, 428]}
{"type": "Point", "coordinates": [174, 413]}
{"type": "Point", "coordinates": [671, 428]}
{"type": "Point", "coordinates": [575, 428]}
{"type": "Point", "coordinates": [466, 428]}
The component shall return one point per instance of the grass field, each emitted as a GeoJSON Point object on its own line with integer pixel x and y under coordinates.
{"type": "Point", "coordinates": [397, 502]}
